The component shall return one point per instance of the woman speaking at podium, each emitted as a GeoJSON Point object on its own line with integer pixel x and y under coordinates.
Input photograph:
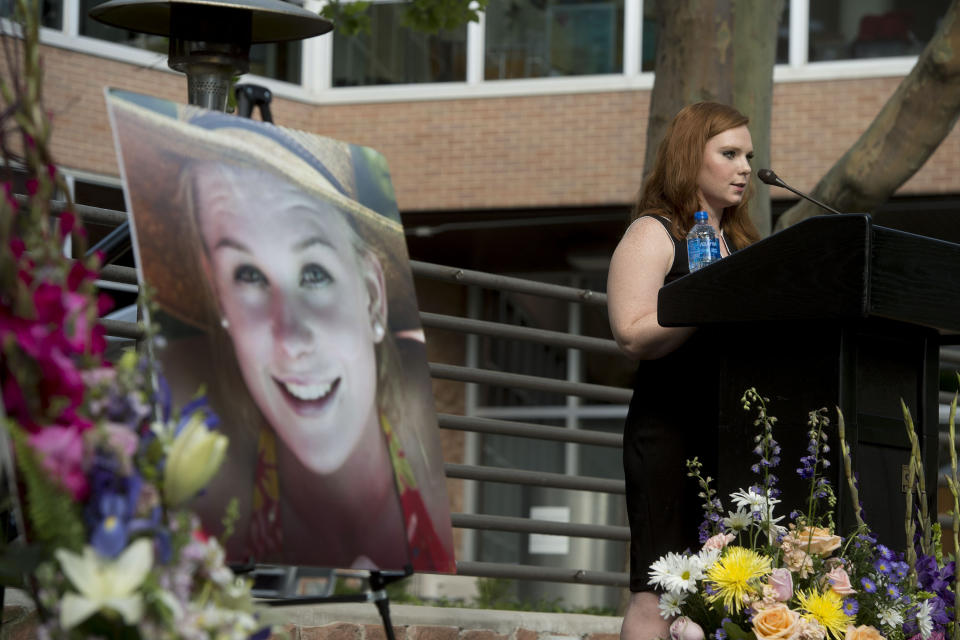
{"type": "Point", "coordinates": [702, 164]}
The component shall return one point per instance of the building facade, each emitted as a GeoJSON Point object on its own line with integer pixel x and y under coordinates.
{"type": "Point", "coordinates": [516, 145]}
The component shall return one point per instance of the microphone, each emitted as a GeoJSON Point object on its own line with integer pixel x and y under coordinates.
{"type": "Point", "coordinates": [769, 177]}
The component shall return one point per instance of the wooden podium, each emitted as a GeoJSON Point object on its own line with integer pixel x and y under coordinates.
{"type": "Point", "coordinates": [832, 312]}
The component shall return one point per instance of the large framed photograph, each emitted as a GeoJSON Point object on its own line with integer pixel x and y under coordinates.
{"type": "Point", "coordinates": [277, 268]}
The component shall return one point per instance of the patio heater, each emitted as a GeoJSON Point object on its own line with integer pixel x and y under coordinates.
{"type": "Point", "coordinates": [210, 39]}
{"type": "Point", "coordinates": [209, 42]}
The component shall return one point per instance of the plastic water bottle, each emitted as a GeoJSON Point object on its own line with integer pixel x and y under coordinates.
{"type": "Point", "coordinates": [703, 246]}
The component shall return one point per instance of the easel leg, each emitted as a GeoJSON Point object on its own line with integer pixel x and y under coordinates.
{"type": "Point", "coordinates": [378, 587]}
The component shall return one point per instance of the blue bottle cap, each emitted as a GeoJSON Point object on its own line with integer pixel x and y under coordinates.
{"type": "Point", "coordinates": [700, 216]}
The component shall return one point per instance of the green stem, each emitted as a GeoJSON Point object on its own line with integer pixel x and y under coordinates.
{"type": "Point", "coordinates": [848, 470]}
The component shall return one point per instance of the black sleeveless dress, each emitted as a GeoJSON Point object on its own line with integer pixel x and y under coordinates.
{"type": "Point", "coordinates": [672, 418]}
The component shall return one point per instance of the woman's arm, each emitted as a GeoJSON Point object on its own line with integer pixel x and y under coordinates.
{"type": "Point", "coordinates": [640, 263]}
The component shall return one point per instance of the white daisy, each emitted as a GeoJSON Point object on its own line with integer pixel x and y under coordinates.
{"type": "Point", "coordinates": [707, 557]}
{"type": "Point", "coordinates": [756, 501]}
{"type": "Point", "coordinates": [891, 617]}
{"type": "Point", "coordinates": [676, 573]}
{"type": "Point", "coordinates": [739, 521]}
{"type": "Point", "coordinates": [924, 620]}
{"type": "Point", "coordinates": [670, 604]}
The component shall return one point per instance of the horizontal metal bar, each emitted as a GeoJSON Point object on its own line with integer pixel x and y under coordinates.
{"type": "Point", "coordinates": [506, 283]}
{"type": "Point", "coordinates": [546, 574]}
{"type": "Point", "coordinates": [535, 478]}
{"type": "Point", "coordinates": [498, 330]}
{"type": "Point", "coordinates": [546, 411]}
{"type": "Point", "coordinates": [94, 215]}
{"type": "Point", "coordinates": [535, 383]}
{"type": "Point", "coordinates": [949, 357]}
{"type": "Point", "coordinates": [121, 329]}
{"type": "Point", "coordinates": [548, 527]}
{"type": "Point", "coordinates": [116, 273]}
{"type": "Point", "coordinates": [527, 430]}
{"type": "Point", "coordinates": [946, 397]}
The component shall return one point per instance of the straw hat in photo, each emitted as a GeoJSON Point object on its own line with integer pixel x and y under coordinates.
{"type": "Point", "coordinates": [158, 141]}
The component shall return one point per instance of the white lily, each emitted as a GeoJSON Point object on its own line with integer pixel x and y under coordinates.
{"type": "Point", "coordinates": [194, 458]}
{"type": "Point", "coordinates": [105, 584]}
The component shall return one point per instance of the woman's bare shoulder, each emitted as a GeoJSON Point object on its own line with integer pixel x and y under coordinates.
{"type": "Point", "coordinates": [649, 232]}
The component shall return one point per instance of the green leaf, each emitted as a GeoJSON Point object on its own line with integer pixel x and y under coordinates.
{"type": "Point", "coordinates": [54, 517]}
{"type": "Point", "coordinates": [734, 632]}
{"type": "Point", "coordinates": [350, 18]}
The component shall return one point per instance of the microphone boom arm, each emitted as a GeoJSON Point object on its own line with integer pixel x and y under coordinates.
{"type": "Point", "coordinates": [769, 177]}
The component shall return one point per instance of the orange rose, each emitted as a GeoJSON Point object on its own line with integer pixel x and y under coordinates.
{"type": "Point", "coordinates": [863, 633]}
{"type": "Point", "coordinates": [776, 623]}
{"type": "Point", "coordinates": [815, 540]}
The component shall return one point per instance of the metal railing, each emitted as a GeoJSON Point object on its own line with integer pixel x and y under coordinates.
{"type": "Point", "coordinates": [950, 359]}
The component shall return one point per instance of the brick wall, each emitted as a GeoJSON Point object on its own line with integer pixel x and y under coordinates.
{"type": "Point", "coordinates": [361, 622]}
{"type": "Point", "coordinates": [541, 151]}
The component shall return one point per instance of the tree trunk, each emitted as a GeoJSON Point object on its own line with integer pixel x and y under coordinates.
{"type": "Point", "coordinates": [908, 129]}
{"type": "Point", "coordinates": [723, 51]}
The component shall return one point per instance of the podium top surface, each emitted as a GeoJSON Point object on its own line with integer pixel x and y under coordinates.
{"type": "Point", "coordinates": [837, 267]}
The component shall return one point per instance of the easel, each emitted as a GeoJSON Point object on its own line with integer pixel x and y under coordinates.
{"type": "Point", "coordinates": [377, 593]}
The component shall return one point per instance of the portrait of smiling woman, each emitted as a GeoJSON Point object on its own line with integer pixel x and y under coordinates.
{"type": "Point", "coordinates": [294, 306]}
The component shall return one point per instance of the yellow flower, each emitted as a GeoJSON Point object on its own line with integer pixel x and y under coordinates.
{"type": "Point", "coordinates": [193, 460]}
{"type": "Point", "coordinates": [735, 575]}
{"type": "Point", "coordinates": [105, 584]}
{"type": "Point", "coordinates": [826, 608]}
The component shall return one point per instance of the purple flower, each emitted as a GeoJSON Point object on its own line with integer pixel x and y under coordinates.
{"type": "Point", "coordinates": [892, 591]}
{"type": "Point", "coordinates": [850, 607]}
{"type": "Point", "coordinates": [161, 535]}
{"type": "Point", "coordinates": [110, 536]}
{"type": "Point", "coordinates": [884, 552]}
{"type": "Point", "coordinates": [197, 404]}
{"type": "Point", "coordinates": [868, 585]}
{"type": "Point", "coordinates": [882, 566]}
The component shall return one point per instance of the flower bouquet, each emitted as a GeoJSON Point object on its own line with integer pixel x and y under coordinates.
{"type": "Point", "coordinates": [100, 463]}
{"type": "Point", "coordinates": [761, 577]}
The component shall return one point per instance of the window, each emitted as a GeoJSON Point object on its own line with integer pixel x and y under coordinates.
{"type": "Point", "coordinates": [844, 29]}
{"type": "Point", "coordinates": [93, 29]}
{"type": "Point", "coordinates": [783, 35]}
{"type": "Point", "coordinates": [394, 54]}
{"type": "Point", "coordinates": [280, 60]}
{"type": "Point", "coordinates": [51, 12]}
{"type": "Point", "coordinates": [648, 55]}
{"type": "Point", "coordinates": [542, 38]}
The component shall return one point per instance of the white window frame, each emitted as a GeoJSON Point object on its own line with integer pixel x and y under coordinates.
{"type": "Point", "coordinates": [317, 59]}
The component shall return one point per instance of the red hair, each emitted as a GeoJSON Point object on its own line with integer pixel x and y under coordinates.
{"type": "Point", "coordinates": [671, 188]}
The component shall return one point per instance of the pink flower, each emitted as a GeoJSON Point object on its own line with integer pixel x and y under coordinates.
{"type": "Point", "coordinates": [122, 439]}
{"type": "Point", "coordinates": [840, 582]}
{"type": "Point", "coordinates": [683, 628]}
{"type": "Point", "coordinates": [67, 222]}
{"type": "Point", "coordinates": [78, 274]}
{"type": "Point", "coordinates": [718, 541]}
{"type": "Point", "coordinates": [18, 247]}
{"type": "Point", "coordinates": [61, 453]}
{"type": "Point", "coordinates": [781, 581]}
